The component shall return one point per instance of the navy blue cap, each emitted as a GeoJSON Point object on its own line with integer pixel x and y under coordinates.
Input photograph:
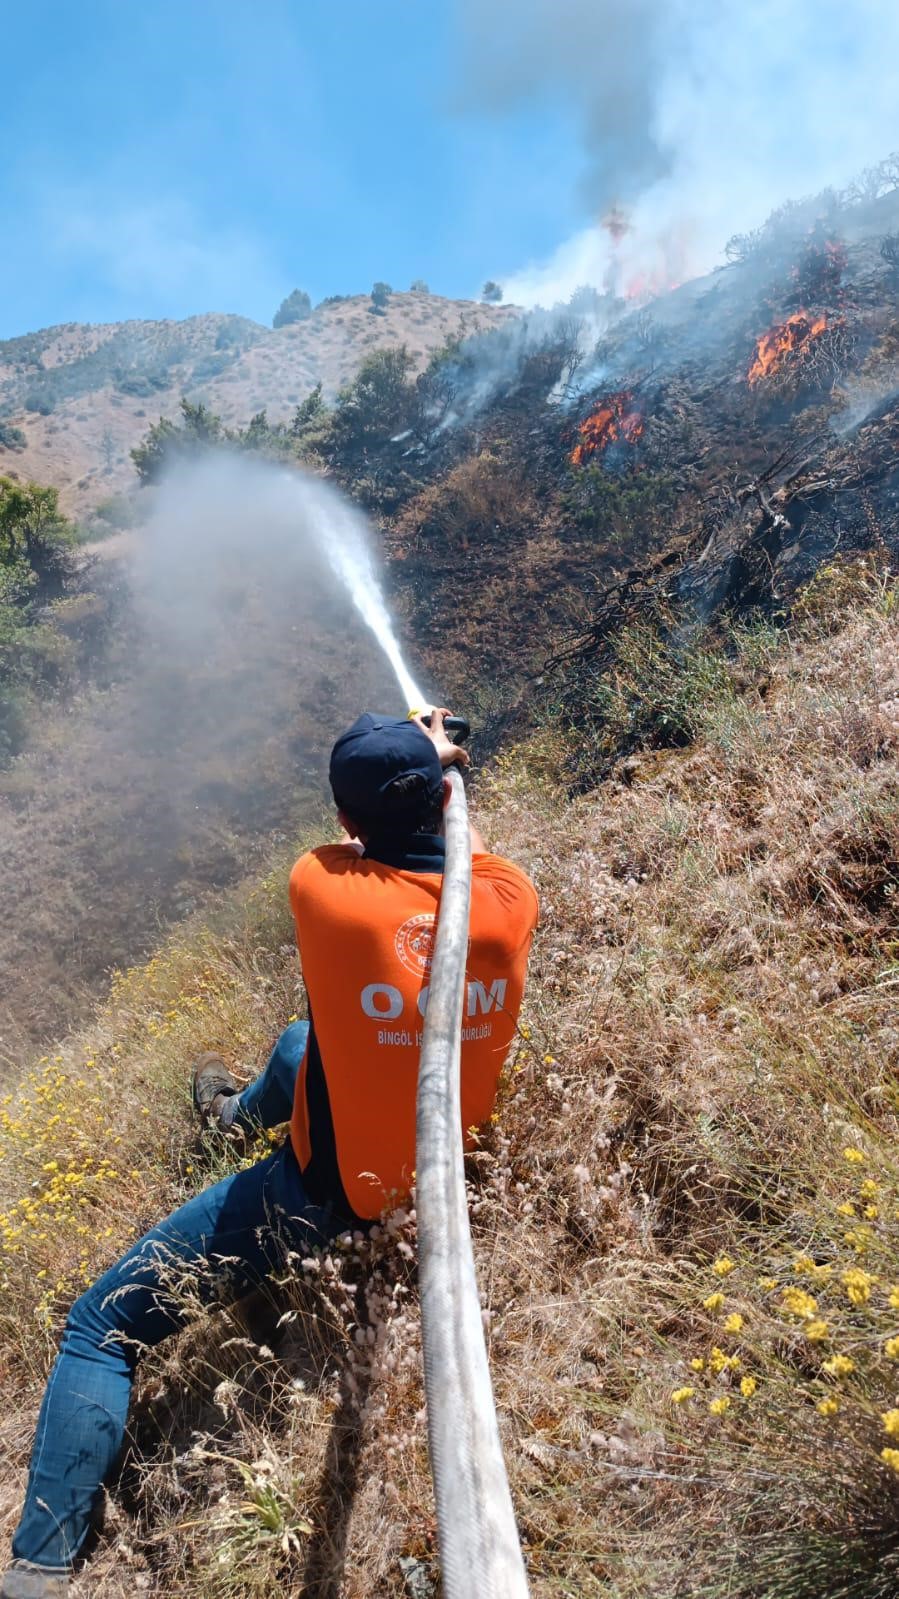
{"type": "Point", "coordinates": [369, 757]}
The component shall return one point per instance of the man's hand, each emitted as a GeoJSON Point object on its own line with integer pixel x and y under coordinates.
{"type": "Point", "coordinates": [446, 749]}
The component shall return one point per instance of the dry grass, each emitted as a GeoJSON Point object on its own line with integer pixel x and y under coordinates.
{"type": "Point", "coordinates": [703, 1101]}
{"type": "Point", "coordinates": [484, 498]}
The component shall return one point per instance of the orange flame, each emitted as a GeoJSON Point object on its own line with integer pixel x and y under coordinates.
{"type": "Point", "coordinates": [779, 344]}
{"type": "Point", "coordinates": [617, 419]}
{"type": "Point", "coordinates": [648, 285]}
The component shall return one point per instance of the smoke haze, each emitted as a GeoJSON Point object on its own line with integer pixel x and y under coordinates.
{"type": "Point", "coordinates": [239, 659]}
{"type": "Point", "coordinates": [697, 117]}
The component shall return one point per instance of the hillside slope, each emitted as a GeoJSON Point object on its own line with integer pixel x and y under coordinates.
{"type": "Point", "coordinates": [685, 1222]}
{"type": "Point", "coordinates": [83, 395]}
{"type": "Point", "coordinates": [600, 513]}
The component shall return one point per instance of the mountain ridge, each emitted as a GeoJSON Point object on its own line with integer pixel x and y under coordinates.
{"type": "Point", "coordinates": [75, 398]}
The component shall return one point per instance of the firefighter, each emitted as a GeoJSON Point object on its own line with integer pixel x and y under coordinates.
{"type": "Point", "coordinates": [345, 1080]}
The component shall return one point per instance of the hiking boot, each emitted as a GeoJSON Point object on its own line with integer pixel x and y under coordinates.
{"type": "Point", "coordinates": [25, 1581]}
{"type": "Point", "coordinates": [212, 1084]}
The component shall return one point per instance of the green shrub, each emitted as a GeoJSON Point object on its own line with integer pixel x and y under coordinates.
{"type": "Point", "coordinates": [11, 438]}
{"type": "Point", "coordinates": [38, 400]}
{"type": "Point", "coordinates": [491, 292]}
{"type": "Point", "coordinates": [35, 538]}
{"type": "Point", "coordinates": [13, 722]}
{"type": "Point", "coordinates": [115, 513]}
{"type": "Point", "coordinates": [625, 509]}
{"type": "Point", "coordinates": [660, 685]}
{"type": "Point", "coordinates": [377, 403]}
{"type": "Point", "coordinates": [210, 366]}
{"type": "Point", "coordinates": [166, 441]}
{"type": "Point", "coordinates": [295, 308]}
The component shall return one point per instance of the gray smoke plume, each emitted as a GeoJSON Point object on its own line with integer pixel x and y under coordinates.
{"type": "Point", "coordinates": [697, 117]}
{"type": "Point", "coordinates": [602, 58]}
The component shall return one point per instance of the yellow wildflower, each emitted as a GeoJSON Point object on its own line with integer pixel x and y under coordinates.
{"type": "Point", "coordinates": [768, 1284]}
{"type": "Point", "coordinates": [846, 1209]}
{"type": "Point", "coordinates": [855, 1157]}
{"type": "Point", "coordinates": [838, 1366]}
{"type": "Point", "coordinates": [748, 1386]}
{"type": "Point", "coordinates": [891, 1349]}
{"type": "Point", "coordinates": [869, 1189]}
{"type": "Point", "coordinates": [714, 1302]}
{"type": "Point", "coordinates": [796, 1302]}
{"type": "Point", "coordinates": [872, 1212]}
{"type": "Point", "coordinates": [681, 1394]}
{"type": "Point", "coordinates": [717, 1361]}
{"type": "Point", "coordinates": [857, 1284]}
{"type": "Point", "coordinates": [815, 1331]}
{"type": "Point", "coordinates": [891, 1456]}
{"type": "Point", "coordinates": [803, 1265]}
{"type": "Point", "coordinates": [719, 1406]}
{"type": "Point", "coordinates": [723, 1266]}
{"type": "Point", "coordinates": [890, 1419]}
{"type": "Point", "coordinates": [699, 1364]}
{"type": "Point", "coordinates": [894, 1298]}
{"type": "Point", "coordinates": [860, 1238]}
{"type": "Point", "coordinates": [734, 1322]}
{"type": "Point", "coordinates": [827, 1407]}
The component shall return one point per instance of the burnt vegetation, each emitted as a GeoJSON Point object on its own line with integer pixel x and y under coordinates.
{"type": "Point", "coordinates": [695, 459]}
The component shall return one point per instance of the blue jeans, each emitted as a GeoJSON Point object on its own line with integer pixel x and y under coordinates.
{"type": "Point", "coordinates": [251, 1219]}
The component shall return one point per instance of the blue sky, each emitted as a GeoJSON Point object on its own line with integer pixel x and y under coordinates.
{"type": "Point", "coordinates": [184, 156]}
{"type": "Point", "coordinates": [167, 157]}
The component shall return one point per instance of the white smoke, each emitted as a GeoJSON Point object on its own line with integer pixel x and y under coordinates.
{"type": "Point", "coordinates": [698, 117]}
{"type": "Point", "coordinates": [235, 538]}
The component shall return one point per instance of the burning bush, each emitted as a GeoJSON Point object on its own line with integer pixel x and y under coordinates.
{"type": "Point", "coordinates": [775, 348]}
{"type": "Point", "coordinates": [618, 420]}
{"type": "Point", "coordinates": [808, 350]}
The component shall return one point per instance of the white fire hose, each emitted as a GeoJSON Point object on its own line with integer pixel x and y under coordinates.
{"type": "Point", "coordinates": [480, 1555]}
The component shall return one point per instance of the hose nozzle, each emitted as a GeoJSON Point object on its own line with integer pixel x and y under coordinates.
{"type": "Point", "coordinates": [455, 727]}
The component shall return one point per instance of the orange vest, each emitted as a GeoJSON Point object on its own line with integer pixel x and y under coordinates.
{"type": "Point", "coordinates": [365, 932]}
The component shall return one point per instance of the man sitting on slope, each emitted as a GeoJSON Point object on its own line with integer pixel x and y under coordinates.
{"type": "Point", "coordinates": [346, 1082]}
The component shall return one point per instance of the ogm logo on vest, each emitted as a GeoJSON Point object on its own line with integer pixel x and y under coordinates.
{"type": "Point", "coordinates": [414, 943]}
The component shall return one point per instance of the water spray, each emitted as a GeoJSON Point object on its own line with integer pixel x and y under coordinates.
{"type": "Point", "coordinates": [346, 547]}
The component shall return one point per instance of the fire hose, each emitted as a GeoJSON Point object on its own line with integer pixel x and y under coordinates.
{"type": "Point", "coordinates": [480, 1555]}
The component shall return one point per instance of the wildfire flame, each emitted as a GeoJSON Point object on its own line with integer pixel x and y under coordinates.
{"type": "Point", "coordinates": [837, 255]}
{"type": "Point", "coordinates": [779, 344]}
{"type": "Point", "coordinates": [617, 419]}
